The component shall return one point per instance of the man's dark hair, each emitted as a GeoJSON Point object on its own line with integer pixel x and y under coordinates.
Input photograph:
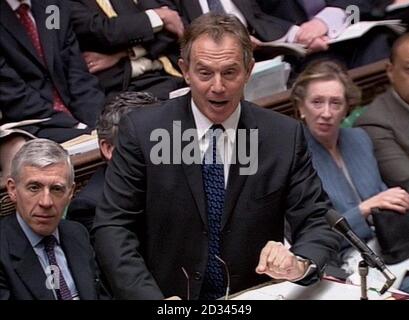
{"type": "Point", "coordinates": [107, 124]}
{"type": "Point", "coordinates": [216, 26]}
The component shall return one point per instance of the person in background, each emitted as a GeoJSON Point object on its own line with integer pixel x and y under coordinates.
{"type": "Point", "coordinates": [41, 256]}
{"type": "Point", "coordinates": [315, 22]}
{"type": "Point", "coordinates": [386, 118]}
{"type": "Point", "coordinates": [130, 45]}
{"type": "Point", "coordinates": [164, 223]}
{"type": "Point", "coordinates": [82, 207]}
{"type": "Point", "coordinates": [43, 75]}
{"type": "Point", "coordinates": [261, 26]}
{"type": "Point", "coordinates": [344, 157]}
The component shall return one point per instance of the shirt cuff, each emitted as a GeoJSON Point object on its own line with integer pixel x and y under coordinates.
{"type": "Point", "coordinates": [290, 35]}
{"type": "Point", "coordinates": [335, 19]}
{"type": "Point", "coordinates": [81, 125]}
{"type": "Point", "coordinates": [156, 21]}
{"type": "Point", "coordinates": [137, 52]}
{"type": "Point", "coordinates": [312, 267]}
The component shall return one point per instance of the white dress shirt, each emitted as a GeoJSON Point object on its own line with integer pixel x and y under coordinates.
{"type": "Point", "coordinates": [226, 141]}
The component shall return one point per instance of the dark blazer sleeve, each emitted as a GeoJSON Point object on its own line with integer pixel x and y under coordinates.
{"type": "Point", "coordinates": [17, 95]}
{"type": "Point", "coordinates": [116, 244]}
{"type": "Point", "coordinates": [307, 204]}
{"type": "Point", "coordinates": [264, 26]}
{"type": "Point", "coordinates": [4, 286]}
{"type": "Point", "coordinates": [123, 31]}
{"type": "Point", "coordinates": [86, 96]}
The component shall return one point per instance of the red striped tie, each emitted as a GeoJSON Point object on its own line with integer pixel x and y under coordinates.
{"type": "Point", "coordinates": [29, 25]}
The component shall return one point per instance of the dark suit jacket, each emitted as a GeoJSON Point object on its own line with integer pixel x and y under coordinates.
{"type": "Point", "coordinates": [260, 24]}
{"type": "Point", "coordinates": [371, 47]}
{"type": "Point", "coordinates": [152, 219]}
{"type": "Point", "coordinates": [26, 90]}
{"type": "Point", "coordinates": [97, 33]}
{"type": "Point", "coordinates": [385, 120]}
{"type": "Point", "coordinates": [293, 10]}
{"type": "Point", "coordinates": [82, 207]}
{"type": "Point", "coordinates": [21, 274]}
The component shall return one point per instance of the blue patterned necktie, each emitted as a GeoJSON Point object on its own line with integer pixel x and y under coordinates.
{"type": "Point", "coordinates": [215, 6]}
{"type": "Point", "coordinates": [213, 182]}
{"type": "Point", "coordinates": [63, 293]}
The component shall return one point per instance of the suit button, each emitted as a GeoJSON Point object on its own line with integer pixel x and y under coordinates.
{"type": "Point", "coordinates": [204, 232]}
{"type": "Point", "coordinates": [197, 276]}
{"type": "Point", "coordinates": [228, 231]}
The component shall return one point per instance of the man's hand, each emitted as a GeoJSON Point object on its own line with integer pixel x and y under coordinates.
{"type": "Point", "coordinates": [98, 61]}
{"type": "Point", "coordinates": [279, 262]}
{"type": "Point", "coordinates": [396, 199]}
{"type": "Point", "coordinates": [318, 44]}
{"type": "Point", "coordinates": [171, 20]}
{"type": "Point", "coordinates": [311, 30]}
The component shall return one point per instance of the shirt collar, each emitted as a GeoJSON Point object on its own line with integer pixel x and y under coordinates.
{"type": "Point", "coordinates": [397, 96]}
{"type": "Point", "coordinates": [203, 124]}
{"type": "Point", "coordinates": [14, 4]}
{"type": "Point", "coordinates": [34, 238]}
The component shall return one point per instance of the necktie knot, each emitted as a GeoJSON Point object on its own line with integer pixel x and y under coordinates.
{"type": "Point", "coordinates": [23, 9]}
{"type": "Point", "coordinates": [215, 127]}
{"type": "Point", "coordinates": [215, 6]}
{"type": "Point", "coordinates": [49, 242]}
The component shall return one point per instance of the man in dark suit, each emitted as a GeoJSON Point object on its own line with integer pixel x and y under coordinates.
{"type": "Point", "coordinates": [42, 257]}
{"type": "Point", "coordinates": [386, 118]}
{"type": "Point", "coordinates": [82, 207]}
{"type": "Point", "coordinates": [314, 22]}
{"type": "Point", "coordinates": [176, 207]}
{"type": "Point", "coordinates": [129, 45]}
{"type": "Point", "coordinates": [260, 25]}
{"type": "Point", "coordinates": [42, 72]}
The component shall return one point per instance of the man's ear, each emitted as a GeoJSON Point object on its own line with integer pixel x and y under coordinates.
{"type": "Point", "coordinates": [106, 149]}
{"type": "Point", "coordinates": [185, 69]}
{"type": "Point", "coordinates": [72, 191]}
{"type": "Point", "coordinates": [389, 71]}
{"type": "Point", "coordinates": [11, 189]}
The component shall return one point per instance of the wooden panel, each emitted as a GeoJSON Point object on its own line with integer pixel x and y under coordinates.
{"type": "Point", "coordinates": [371, 79]}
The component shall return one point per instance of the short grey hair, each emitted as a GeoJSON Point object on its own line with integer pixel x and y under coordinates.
{"type": "Point", "coordinates": [41, 153]}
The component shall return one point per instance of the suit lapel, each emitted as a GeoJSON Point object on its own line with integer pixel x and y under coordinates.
{"type": "Point", "coordinates": [10, 22]}
{"type": "Point", "coordinates": [236, 179]}
{"type": "Point", "coordinates": [46, 35]}
{"type": "Point", "coordinates": [78, 261]}
{"type": "Point", "coordinates": [193, 172]}
{"type": "Point", "coordinates": [26, 263]}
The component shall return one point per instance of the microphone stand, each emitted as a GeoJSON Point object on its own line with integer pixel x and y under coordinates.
{"type": "Point", "coordinates": [363, 272]}
{"type": "Point", "coordinates": [372, 261]}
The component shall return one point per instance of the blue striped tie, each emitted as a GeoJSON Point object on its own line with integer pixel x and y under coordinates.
{"type": "Point", "coordinates": [215, 6]}
{"type": "Point", "coordinates": [213, 181]}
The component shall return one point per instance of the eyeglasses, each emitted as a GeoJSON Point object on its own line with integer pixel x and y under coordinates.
{"type": "Point", "coordinates": [226, 270]}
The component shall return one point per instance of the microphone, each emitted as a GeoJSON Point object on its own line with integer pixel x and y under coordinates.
{"type": "Point", "coordinates": [339, 224]}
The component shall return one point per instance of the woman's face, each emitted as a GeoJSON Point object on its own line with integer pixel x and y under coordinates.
{"type": "Point", "coordinates": [323, 108]}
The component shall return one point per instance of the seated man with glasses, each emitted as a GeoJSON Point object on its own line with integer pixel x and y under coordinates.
{"type": "Point", "coordinates": [182, 196]}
